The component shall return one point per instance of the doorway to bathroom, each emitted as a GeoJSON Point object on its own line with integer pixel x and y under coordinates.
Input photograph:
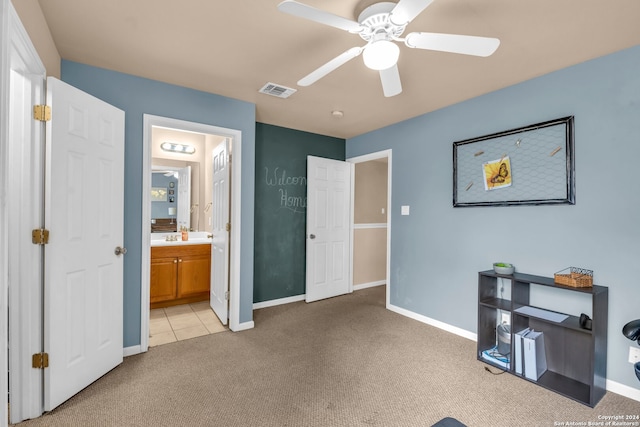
{"type": "Point", "coordinates": [189, 204]}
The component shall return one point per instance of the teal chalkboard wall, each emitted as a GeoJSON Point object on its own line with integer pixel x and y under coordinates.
{"type": "Point", "coordinates": [280, 207]}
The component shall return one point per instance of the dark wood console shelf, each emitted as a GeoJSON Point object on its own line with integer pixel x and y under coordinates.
{"type": "Point", "coordinates": [576, 357]}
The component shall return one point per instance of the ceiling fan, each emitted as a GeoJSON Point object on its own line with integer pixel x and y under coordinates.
{"type": "Point", "coordinates": [380, 25]}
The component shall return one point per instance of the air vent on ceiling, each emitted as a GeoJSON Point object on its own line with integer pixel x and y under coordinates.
{"type": "Point", "coordinates": [277, 90]}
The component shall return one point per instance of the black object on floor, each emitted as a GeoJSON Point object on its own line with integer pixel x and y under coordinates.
{"type": "Point", "coordinates": [448, 422]}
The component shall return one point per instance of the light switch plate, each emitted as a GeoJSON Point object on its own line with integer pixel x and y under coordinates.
{"type": "Point", "coordinates": [404, 210]}
{"type": "Point", "coordinates": [634, 354]}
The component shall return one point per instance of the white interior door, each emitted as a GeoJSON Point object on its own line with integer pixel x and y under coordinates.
{"type": "Point", "coordinates": [220, 230]}
{"type": "Point", "coordinates": [84, 212]}
{"type": "Point", "coordinates": [184, 198]}
{"type": "Point", "coordinates": [328, 228]}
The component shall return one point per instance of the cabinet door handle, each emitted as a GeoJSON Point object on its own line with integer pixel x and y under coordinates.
{"type": "Point", "coordinates": [175, 261]}
{"type": "Point", "coordinates": [180, 260]}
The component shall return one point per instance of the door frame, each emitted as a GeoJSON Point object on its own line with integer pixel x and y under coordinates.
{"type": "Point", "coordinates": [150, 121]}
{"type": "Point", "coordinates": [26, 325]}
{"type": "Point", "coordinates": [366, 158]}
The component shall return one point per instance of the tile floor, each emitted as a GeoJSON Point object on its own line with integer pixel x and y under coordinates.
{"type": "Point", "coordinates": [182, 322]}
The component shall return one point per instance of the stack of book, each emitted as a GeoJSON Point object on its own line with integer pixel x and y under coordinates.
{"type": "Point", "coordinates": [529, 354]}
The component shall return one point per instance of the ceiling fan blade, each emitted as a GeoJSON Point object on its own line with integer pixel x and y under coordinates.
{"type": "Point", "coordinates": [311, 13]}
{"type": "Point", "coordinates": [406, 10]}
{"type": "Point", "coordinates": [325, 69]}
{"type": "Point", "coordinates": [467, 45]}
{"type": "Point", "coordinates": [390, 78]}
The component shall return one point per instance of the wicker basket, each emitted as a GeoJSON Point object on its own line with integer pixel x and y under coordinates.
{"type": "Point", "coordinates": [575, 277]}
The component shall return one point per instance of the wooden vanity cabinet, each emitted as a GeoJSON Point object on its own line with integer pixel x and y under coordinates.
{"type": "Point", "coordinates": [179, 274]}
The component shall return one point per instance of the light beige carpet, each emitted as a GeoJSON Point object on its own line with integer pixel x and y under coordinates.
{"type": "Point", "coordinates": [346, 361]}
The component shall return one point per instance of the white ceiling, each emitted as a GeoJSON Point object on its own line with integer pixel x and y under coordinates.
{"type": "Point", "coordinates": [234, 47]}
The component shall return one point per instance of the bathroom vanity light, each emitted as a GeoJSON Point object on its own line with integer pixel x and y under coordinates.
{"type": "Point", "coordinates": [177, 148]}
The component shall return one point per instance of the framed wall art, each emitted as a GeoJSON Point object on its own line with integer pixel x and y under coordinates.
{"type": "Point", "coordinates": [531, 165]}
{"type": "Point", "coordinates": [158, 194]}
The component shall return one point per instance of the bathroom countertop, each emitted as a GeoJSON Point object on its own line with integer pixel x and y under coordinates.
{"type": "Point", "coordinates": [195, 238]}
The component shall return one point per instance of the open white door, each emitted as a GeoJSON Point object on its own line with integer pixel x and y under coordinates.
{"type": "Point", "coordinates": [220, 230]}
{"type": "Point", "coordinates": [83, 262]}
{"type": "Point", "coordinates": [328, 228]}
{"type": "Point", "coordinates": [184, 198]}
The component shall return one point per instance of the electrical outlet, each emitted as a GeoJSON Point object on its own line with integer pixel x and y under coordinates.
{"type": "Point", "coordinates": [634, 354]}
{"type": "Point", "coordinates": [506, 318]}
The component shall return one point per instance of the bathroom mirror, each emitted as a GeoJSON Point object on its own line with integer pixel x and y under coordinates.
{"type": "Point", "coordinates": [170, 197]}
{"type": "Point", "coordinates": [196, 205]}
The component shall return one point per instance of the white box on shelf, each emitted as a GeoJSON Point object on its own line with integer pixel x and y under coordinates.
{"type": "Point", "coordinates": [518, 349]}
{"type": "Point", "coordinates": [535, 359]}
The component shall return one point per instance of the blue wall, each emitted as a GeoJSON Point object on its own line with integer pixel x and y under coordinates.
{"type": "Point", "coordinates": [138, 96]}
{"type": "Point", "coordinates": [437, 251]}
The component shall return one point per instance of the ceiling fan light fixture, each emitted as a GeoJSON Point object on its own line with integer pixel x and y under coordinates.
{"type": "Point", "coordinates": [381, 55]}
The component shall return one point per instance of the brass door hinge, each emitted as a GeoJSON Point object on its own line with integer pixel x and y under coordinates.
{"type": "Point", "coordinates": [228, 227]}
{"type": "Point", "coordinates": [40, 236]}
{"type": "Point", "coordinates": [40, 360]}
{"type": "Point", "coordinates": [42, 113]}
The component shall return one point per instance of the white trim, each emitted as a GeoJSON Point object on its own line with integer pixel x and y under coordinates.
{"type": "Point", "coordinates": [365, 158]}
{"type": "Point", "coordinates": [243, 326]}
{"type": "Point", "coordinates": [4, 223]}
{"type": "Point", "coordinates": [297, 298]}
{"type": "Point", "coordinates": [131, 351]}
{"type": "Point", "coordinates": [280, 301]}
{"type": "Point", "coordinates": [369, 226]}
{"type": "Point", "coordinates": [352, 203]}
{"type": "Point", "coordinates": [150, 121]}
{"type": "Point", "coordinates": [23, 201]}
{"type": "Point", "coordinates": [623, 390]}
{"type": "Point", "coordinates": [429, 321]}
{"type": "Point", "coordinates": [369, 285]}
{"type": "Point", "coordinates": [235, 237]}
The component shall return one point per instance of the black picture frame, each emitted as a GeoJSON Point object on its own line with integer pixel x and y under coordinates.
{"type": "Point", "coordinates": [541, 166]}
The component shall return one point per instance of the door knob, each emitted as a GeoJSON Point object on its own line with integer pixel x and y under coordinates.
{"type": "Point", "coordinates": [120, 251]}
{"type": "Point", "coordinates": [312, 236]}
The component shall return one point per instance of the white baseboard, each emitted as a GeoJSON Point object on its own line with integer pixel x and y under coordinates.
{"type": "Point", "coordinates": [130, 351]}
{"type": "Point", "coordinates": [369, 285]}
{"type": "Point", "coordinates": [296, 298]}
{"type": "Point", "coordinates": [438, 324]}
{"type": "Point", "coordinates": [243, 326]}
{"type": "Point", "coordinates": [623, 390]}
{"type": "Point", "coordinates": [279, 301]}
{"type": "Point", "coordinates": [612, 386]}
